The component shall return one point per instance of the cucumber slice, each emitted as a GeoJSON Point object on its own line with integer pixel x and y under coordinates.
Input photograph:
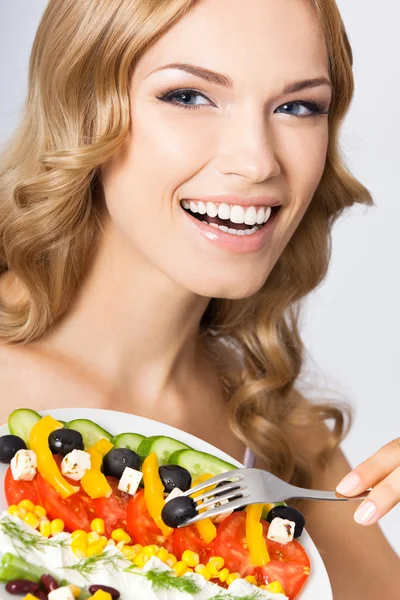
{"type": "Point", "coordinates": [91, 432]}
{"type": "Point", "coordinates": [200, 463]}
{"type": "Point", "coordinates": [162, 445]}
{"type": "Point", "coordinates": [128, 440]}
{"type": "Point", "coordinates": [21, 421]}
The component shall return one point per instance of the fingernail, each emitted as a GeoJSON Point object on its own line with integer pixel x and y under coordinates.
{"type": "Point", "coordinates": [365, 512]}
{"type": "Point", "coordinates": [349, 484]}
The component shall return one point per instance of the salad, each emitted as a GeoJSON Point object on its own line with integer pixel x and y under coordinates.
{"type": "Point", "coordinates": [91, 515]}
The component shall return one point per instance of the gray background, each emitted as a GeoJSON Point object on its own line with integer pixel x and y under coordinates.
{"type": "Point", "coordinates": [352, 323]}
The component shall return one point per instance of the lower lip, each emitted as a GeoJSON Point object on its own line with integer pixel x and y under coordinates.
{"type": "Point", "coordinates": [238, 244]}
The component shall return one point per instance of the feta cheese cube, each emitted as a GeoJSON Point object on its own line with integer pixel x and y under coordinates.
{"type": "Point", "coordinates": [130, 480]}
{"type": "Point", "coordinates": [75, 464]}
{"type": "Point", "coordinates": [281, 530]}
{"type": "Point", "coordinates": [224, 516]}
{"type": "Point", "coordinates": [24, 465]}
{"type": "Point", "coordinates": [62, 593]}
{"type": "Point", "coordinates": [176, 492]}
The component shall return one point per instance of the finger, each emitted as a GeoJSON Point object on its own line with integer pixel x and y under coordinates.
{"type": "Point", "coordinates": [371, 471]}
{"type": "Point", "coordinates": [382, 498]}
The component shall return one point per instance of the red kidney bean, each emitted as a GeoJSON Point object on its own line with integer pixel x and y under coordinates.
{"type": "Point", "coordinates": [41, 595]}
{"type": "Point", "coordinates": [21, 587]}
{"type": "Point", "coordinates": [49, 583]}
{"type": "Point", "coordinates": [114, 593]}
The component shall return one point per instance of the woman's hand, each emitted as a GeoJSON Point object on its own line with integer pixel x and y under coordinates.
{"type": "Point", "coordinates": [381, 472]}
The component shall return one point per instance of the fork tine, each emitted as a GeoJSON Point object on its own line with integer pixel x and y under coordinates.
{"type": "Point", "coordinates": [218, 510]}
{"type": "Point", "coordinates": [212, 493]}
{"type": "Point", "coordinates": [228, 476]}
{"type": "Point", "coordinates": [233, 493]}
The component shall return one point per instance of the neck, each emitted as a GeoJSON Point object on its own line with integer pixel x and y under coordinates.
{"type": "Point", "coordinates": [131, 323]}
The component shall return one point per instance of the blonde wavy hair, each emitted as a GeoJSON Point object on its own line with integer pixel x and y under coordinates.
{"type": "Point", "coordinates": [76, 116]}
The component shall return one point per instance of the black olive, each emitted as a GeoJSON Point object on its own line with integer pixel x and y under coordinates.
{"type": "Point", "coordinates": [178, 510]}
{"type": "Point", "coordinates": [174, 476]}
{"type": "Point", "coordinates": [290, 513]}
{"type": "Point", "coordinates": [63, 441]}
{"type": "Point", "coordinates": [9, 446]}
{"type": "Point", "coordinates": [117, 459]}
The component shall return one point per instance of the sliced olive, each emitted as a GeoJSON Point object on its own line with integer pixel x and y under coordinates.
{"type": "Point", "coordinates": [117, 459]}
{"type": "Point", "coordinates": [178, 510]}
{"type": "Point", "coordinates": [174, 476]}
{"type": "Point", "coordinates": [9, 446]}
{"type": "Point", "coordinates": [290, 513]}
{"type": "Point", "coordinates": [63, 441]}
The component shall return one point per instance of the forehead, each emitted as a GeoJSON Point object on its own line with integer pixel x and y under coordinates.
{"type": "Point", "coordinates": [280, 39]}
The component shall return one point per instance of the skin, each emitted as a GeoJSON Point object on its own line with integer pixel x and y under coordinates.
{"type": "Point", "coordinates": [133, 331]}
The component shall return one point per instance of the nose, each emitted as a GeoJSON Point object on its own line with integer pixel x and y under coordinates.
{"type": "Point", "coordinates": [247, 148]}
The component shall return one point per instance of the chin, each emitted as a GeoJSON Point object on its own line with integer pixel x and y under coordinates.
{"type": "Point", "coordinates": [235, 288]}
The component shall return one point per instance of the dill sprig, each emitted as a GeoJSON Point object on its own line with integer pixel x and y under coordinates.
{"type": "Point", "coordinates": [23, 540]}
{"type": "Point", "coordinates": [105, 560]}
{"type": "Point", "coordinates": [226, 596]}
{"type": "Point", "coordinates": [167, 580]}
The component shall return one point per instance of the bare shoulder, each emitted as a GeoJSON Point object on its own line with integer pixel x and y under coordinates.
{"type": "Point", "coordinates": [360, 561]}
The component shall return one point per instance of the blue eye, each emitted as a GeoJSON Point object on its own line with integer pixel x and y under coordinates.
{"type": "Point", "coordinates": [294, 108]}
{"type": "Point", "coordinates": [183, 98]}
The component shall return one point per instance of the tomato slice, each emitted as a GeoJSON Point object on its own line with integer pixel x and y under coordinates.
{"type": "Point", "coordinates": [188, 538]}
{"type": "Point", "coordinates": [142, 527]}
{"type": "Point", "coordinates": [113, 510]}
{"type": "Point", "coordinates": [287, 564]}
{"type": "Point", "coordinates": [77, 511]}
{"type": "Point", "coordinates": [15, 491]}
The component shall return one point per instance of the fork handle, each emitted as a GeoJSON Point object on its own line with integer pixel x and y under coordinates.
{"type": "Point", "coordinates": [302, 493]}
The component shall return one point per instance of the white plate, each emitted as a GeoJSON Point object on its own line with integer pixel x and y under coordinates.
{"type": "Point", "coordinates": [317, 587]}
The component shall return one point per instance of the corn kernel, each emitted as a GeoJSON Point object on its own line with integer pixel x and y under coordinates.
{"type": "Point", "coordinates": [180, 568]}
{"type": "Point", "coordinates": [103, 541]}
{"type": "Point", "coordinates": [57, 526]}
{"type": "Point", "coordinates": [30, 597]}
{"type": "Point", "coordinates": [93, 537]}
{"type": "Point", "coordinates": [101, 595]}
{"type": "Point", "coordinates": [276, 587]}
{"type": "Point", "coordinates": [40, 511]}
{"type": "Point", "coordinates": [21, 512]}
{"type": "Point", "coordinates": [204, 571]}
{"type": "Point", "coordinates": [94, 549]}
{"type": "Point", "coordinates": [111, 543]}
{"type": "Point", "coordinates": [79, 534]}
{"type": "Point", "coordinates": [76, 592]}
{"type": "Point", "coordinates": [231, 578]}
{"type": "Point", "coordinates": [119, 535]}
{"type": "Point", "coordinates": [171, 560]}
{"type": "Point", "coordinates": [27, 505]}
{"type": "Point", "coordinates": [141, 559]}
{"type": "Point", "coordinates": [223, 574]}
{"type": "Point", "coordinates": [162, 554]}
{"type": "Point", "coordinates": [120, 545]}
{"type": "Point", "coordinates": [215, 564]}
{"type": "Point", "coordinates": [190, 558]}
{"type": "Point", "coordinates": [151, 550]}
{"type": "Point", "coordinates": [14, 510]}
{"type": "Point", "coordinates": [79, 548]}
{"type": "Point", "coordinates": [45, 527]}
{"type": "Point", "coordinates": [129, 552]}
{"type": "Point", "coordinates": [31, 520]}
{"type": "Point", "coordinates": [251, 579]}
{"type": "Point", "coordinates": [98, 525]}
{"type": "Point", "coordinates": [138, 547]}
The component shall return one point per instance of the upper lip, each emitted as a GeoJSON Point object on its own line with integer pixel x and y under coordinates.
{"type": "Point", "coordinates": [233, 199]}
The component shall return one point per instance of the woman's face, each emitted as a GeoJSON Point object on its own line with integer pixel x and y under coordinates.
{"type": "Point", "coordinates": [223, 135]}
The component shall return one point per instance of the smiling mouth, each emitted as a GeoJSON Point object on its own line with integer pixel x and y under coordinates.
{"type": "Point", "coordinates": [230, 218]}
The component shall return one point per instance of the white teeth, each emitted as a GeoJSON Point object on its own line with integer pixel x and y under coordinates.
{"type": "Point", "coordinates": [212, 209]}
{"type": "Point", "coordinates": [193, 207]}
{"type": "Point", "coordinates": [214, 225]}
{"type": "Point", "coordinates": [260, 215]}
{"type": "Point", "coordinates": [224, 211]}
{"type": "Point", "coordinates": [201, 207]}
{"type": "Point", "coordinates": [250, 217]}
{"type": "Point", "coordinates": [233, 231]}
{"type": "Point", "coordinates": [185, 204]}
{"type": "Point", "coordinates": [268, 211]}
{"type": "Point", "coordinates": [240, 232]}
{"type": "Point", "coordinates": [223, 228]}
{"type": "Point", "coordinates": [237, 214]}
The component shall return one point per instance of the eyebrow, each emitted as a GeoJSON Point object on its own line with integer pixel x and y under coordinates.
{"type": "Point", "coordinates": [225, 81]}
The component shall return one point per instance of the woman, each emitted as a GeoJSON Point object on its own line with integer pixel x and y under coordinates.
{"type": "Point", "coordinates": [165, 205]}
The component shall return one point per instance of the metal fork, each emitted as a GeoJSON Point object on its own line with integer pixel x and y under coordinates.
{"type": "Point", "coordinates": [251, 486]}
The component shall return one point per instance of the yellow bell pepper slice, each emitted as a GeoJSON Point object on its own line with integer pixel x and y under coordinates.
{"type": "Point", "coordinates": [154, 492]}
{"type": "Point", "coordinates": [94, 481]}
{"type": "Point", "coordinates": [206, 527]}
{"type": "Point", "coordinates": [46, 465]}
{"type": "Point", "coordinates": [256, 543]}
